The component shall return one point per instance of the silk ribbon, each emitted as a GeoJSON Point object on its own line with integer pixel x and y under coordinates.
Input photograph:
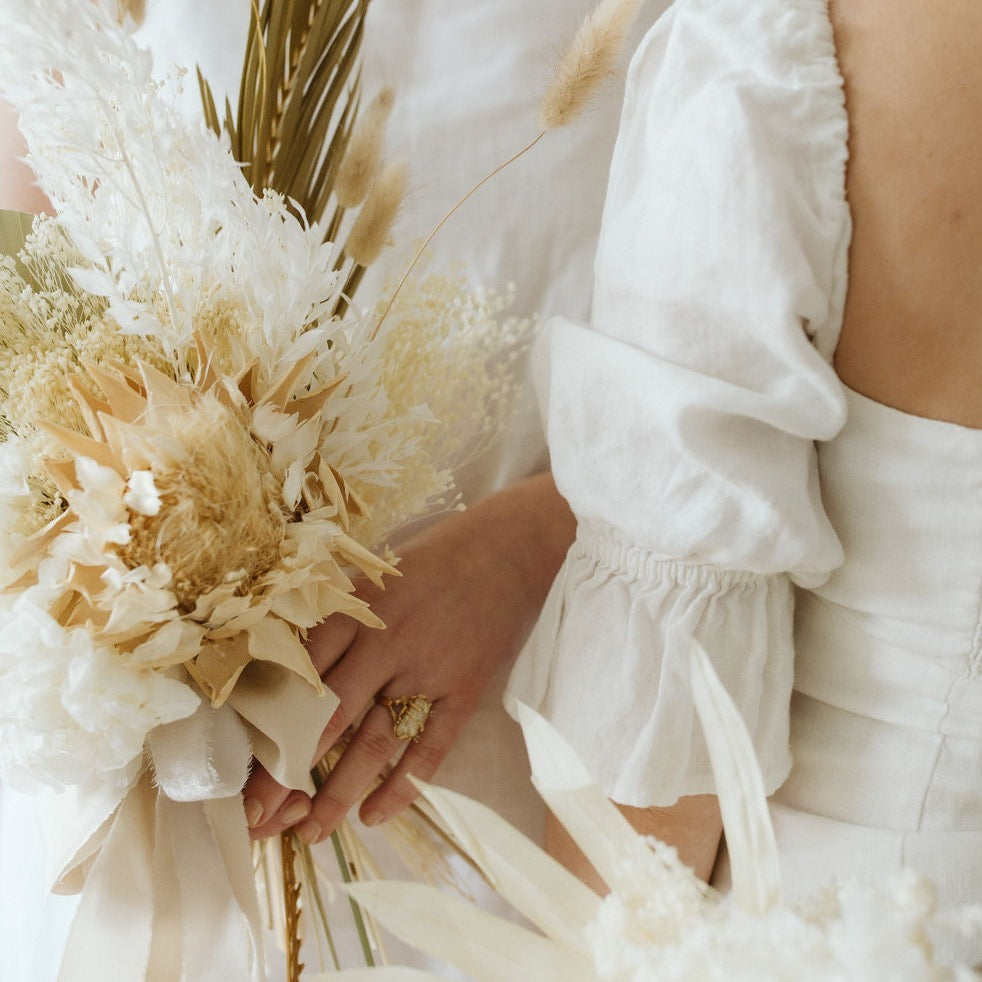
{"type": "Point", "coordinates": [164, 863]}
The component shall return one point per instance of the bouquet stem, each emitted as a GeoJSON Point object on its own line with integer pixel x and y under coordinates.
{"type": "Point", "coordinates": [292, 906]}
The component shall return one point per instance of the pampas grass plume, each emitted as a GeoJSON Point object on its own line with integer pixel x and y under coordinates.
{"type": "Point", "coordinates": [371, 230]}
{"type": "Point", "coordinates": [588, 62]}
{"type": "Point", "coordinates": [363, 158]}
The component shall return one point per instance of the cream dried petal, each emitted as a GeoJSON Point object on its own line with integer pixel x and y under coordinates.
{"type": "Point", "coordinates": [89, 406]}
{"type": "Point", "coordinates": [121, 400]}
{"type": "Point", "coordinates": [82, 446]}
{"type": "Point", "coordinates": [312, 405]}
{"type": "Point", "coordinates": [38, 543]}
{"type": "Point", "coordinates": [293, 484]}
{"type": "Point", "coordinates": [230, 606]}
{"type": "Point", "coordinates": [218, 667]}
{"type": "Point", "coordinates": [298, 607]}
{"type": "Point", "coordinates": [333, 600]}
{"type": "Point", "coordinates": [374, 567]}
{"type": "Point", "coordinates": [273, 640]}
{"type": "Point", "coordinates": [253, 614]}
{"type": "Point", "coordinates": [283, 388]}
{"type": "Point", "coordinates": [135, 609]}
{"type": "Point", "coordinates": [174, 643]}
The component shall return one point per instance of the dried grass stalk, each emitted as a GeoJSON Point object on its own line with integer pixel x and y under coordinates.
{"type": "Point", "coordinates": [589, 61]}
{"type": "Point", "coordinates": [291, 905]}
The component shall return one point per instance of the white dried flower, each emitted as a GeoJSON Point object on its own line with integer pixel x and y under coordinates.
{"type": "Point", "coordinates": [201, 454]}
{"type": "Point", "coordinates": [141, 494]}
{"type": "Point", "coordinates": [71, 709]}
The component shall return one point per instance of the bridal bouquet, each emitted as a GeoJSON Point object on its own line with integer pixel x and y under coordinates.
{"type": "Point", "coordinates": [204, 438]}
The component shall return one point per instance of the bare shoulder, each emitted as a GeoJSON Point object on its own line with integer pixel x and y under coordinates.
{"type": "Point", "coordinates": [912, 335]}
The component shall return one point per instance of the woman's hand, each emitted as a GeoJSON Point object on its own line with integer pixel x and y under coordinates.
{"type": "Point", "coordinates": [470, 589]}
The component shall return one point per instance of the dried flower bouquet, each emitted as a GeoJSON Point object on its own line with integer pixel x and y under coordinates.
{"type": "Point", "coordinates": [203, 440]}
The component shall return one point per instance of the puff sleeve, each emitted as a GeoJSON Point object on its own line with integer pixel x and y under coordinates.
{"type": "Point", "coordinates": [682, 422]}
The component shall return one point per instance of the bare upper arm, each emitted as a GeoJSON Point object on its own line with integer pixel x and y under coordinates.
{"type": "Point", "coordinates": [693, 825]}
{"type": "Point", "coordinates": [17, 188]}
{"type": "Point", "coordinates": [912, 335]}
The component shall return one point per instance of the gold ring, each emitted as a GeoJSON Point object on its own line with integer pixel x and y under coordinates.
{"type": "Point", "coordinates": [409, 715]}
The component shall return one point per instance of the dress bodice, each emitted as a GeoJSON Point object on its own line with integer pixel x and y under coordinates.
{"type": "Point", "coordinates": [886, 722]}
{"type": "Point", "coordinates": [890, 644]}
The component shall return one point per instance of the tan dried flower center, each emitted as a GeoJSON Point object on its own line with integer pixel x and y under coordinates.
{"type": "Point", "coordinates": [219, 519]}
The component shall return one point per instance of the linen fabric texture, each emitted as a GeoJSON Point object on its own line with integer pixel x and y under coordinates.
{"type": "Point", "coordinates": [682, 423]}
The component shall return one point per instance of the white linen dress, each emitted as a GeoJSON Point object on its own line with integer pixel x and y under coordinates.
{"type": "Point", "coordinates": [730, 489]}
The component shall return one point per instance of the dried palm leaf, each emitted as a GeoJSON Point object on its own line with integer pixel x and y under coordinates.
{"type": "Point", "coordinates": [297, 99]}
{"type": "Point", "coordinates": [743, 803]}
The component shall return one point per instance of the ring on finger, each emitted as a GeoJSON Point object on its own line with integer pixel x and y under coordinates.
{"type": "Point", "coordinates": [409, 715]}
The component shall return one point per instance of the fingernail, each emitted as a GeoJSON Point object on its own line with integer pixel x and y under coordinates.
{"type": "Point", "coordinates": [253, 811]}
{"type": "Point", "coordinates": [296, 811]}
{"type": "Point", "coordinates": [373, 818]}
{"type": "Point", "coordinates": [309, 832]}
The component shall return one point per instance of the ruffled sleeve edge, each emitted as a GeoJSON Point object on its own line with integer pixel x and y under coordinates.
{"type": "Point", "coordinates": [608, 665]}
